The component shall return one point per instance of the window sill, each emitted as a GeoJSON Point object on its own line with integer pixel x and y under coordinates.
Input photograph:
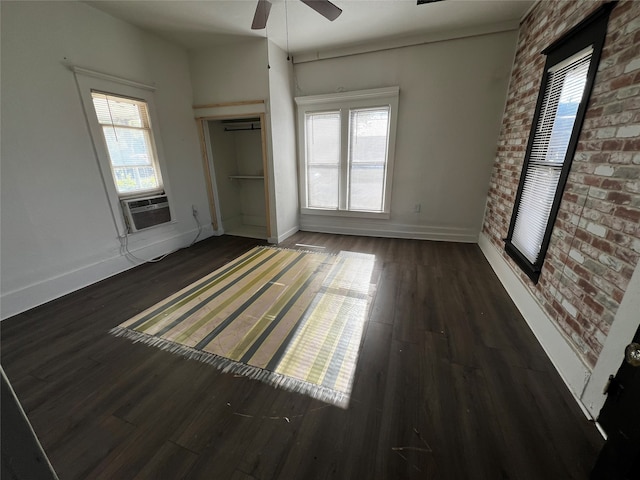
{"type": "Point", "coordinates": [344, 213]}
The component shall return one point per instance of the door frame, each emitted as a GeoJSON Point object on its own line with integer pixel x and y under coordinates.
{"type": "Point", "coordinates": [229, 111]}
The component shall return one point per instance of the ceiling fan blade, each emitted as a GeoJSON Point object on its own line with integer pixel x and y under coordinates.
{"type": "Point", "coordinates": [262, 14]}
{"type": "Point", "coordinates": [324, 8]}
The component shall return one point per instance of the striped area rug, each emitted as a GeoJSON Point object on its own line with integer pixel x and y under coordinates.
{"type": "Point", "coordinates": [291, 318]}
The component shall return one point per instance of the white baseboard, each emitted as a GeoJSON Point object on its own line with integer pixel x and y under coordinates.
{"type": "Point", "coordinates": [284, 236]}
{"type": "Point", "coordinates": [38, 293]}
{"type": "Point", "coordinates": [385, 228]}
{"type": "Point", "coordinates": [567, 362]}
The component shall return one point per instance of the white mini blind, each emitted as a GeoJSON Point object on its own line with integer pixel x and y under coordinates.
{"type": "Point", "coordinates": [369, 136]}
{"type": "Point", "coordinates": [322, 131]}
{"type": "Point", "coordinates": [563, 93]}
{"type": "Point", "coordinates": [129, 141]}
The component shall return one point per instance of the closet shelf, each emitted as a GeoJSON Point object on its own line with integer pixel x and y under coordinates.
{"type": "Point", "coordinates": [246, 177]}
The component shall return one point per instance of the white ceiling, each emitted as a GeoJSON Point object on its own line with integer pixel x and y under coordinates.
{"type": "Point", "coordinates": [198, 24]}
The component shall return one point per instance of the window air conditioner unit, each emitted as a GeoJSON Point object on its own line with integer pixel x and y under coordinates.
{"type": "Point", "coordinates": [141, 213]}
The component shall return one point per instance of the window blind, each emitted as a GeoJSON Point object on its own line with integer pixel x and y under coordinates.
{"type": "Point", "coordinates": [563, 93]}
{"type": "Point", "coordinates": [127, 134]}
{"type": "Point", "coordinates": [369, 135]}
{"type": "Point", "coordinates": [323, 159]}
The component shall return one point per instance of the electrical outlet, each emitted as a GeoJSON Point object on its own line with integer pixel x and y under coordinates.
{"type": "Point", "coordinates": [416, 208]}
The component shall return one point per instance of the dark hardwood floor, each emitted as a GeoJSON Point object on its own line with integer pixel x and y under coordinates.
{"type": "Point", "coordinates": [450, 383]}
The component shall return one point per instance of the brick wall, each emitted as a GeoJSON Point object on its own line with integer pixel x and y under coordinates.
{"type": "Point", "coordinates": [595, 244]}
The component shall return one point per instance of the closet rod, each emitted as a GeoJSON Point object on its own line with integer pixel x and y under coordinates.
{"type": "Point", "coordinates": [240, 129]}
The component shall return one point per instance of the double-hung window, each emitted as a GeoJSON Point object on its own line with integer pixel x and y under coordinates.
{"type": "Point", "coordinates": [346, 152]}
{"type": "Point", "coordinates": [568, 78]}
{"type": "Point", "coordinates": [128, 137]}
{"type": "Point", "coordinates": [121, 118]}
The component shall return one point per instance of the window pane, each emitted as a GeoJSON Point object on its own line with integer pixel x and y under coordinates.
{"type": "Point", "coordinates": [562, 96]}
{"type": "Point", "coordinates": [113, 110]}
{"type": "Point", "coordinates": [369, 134]}
{"type": "Point", "coordinates": [323, 181]}
{"type": "Point", "coordinates": [533, 212]}
{"type": "Point", "coordinates": [367, 187]}
{"type": "Point", "coordinates": [127, 146]}
{"type": "Point", "coordinates": [127, 134]}
{"type": "Point", "coordinates": [570, 96]}
{"type": "Point", "coordinates": [322, 132]}
{"type": "Point", "coordinates": [132, 179]}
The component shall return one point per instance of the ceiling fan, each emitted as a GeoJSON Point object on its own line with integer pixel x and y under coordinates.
{"type": "Point", "coordinates": [323, 7]}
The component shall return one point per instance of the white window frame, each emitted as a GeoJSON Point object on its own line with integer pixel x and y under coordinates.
{"type": "Point", "coordinates": [345, 102]}
{"type": "Point", "coordinates": [89, 81]}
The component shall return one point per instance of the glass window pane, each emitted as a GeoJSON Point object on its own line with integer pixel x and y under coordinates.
{"type": "Point", "coordinates": [532, 217]}
{"type": "Point", "coordinates": [562, 95]}
{"type": "Point", "coordinates": [322, 186]}
{"type": "Point", "coordinates": [133, 179]}
{"type": "Point", "coordinates": [369, 131]}
{"type": "Point", "coordinates": [127, 134]}
{"type": "Point", "coordinates": [369, 135]}
{"type": "Point", "coordinates": [367, 187]}
{"type": "Point", "coordinates": [119, 111]}
{"type": "Point", "coordinates": [570, 96]}
{"type": "Point", "coordinates": [323, 138]}
{"type": "Point", "coordinates": [322, 131]}
{"type": "Point", "coordinates": [127, 146]}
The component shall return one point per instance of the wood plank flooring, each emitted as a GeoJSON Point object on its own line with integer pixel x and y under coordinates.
{"type": "Point", "coordinates": [450, 383]}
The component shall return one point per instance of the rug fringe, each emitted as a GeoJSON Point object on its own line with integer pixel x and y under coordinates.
{"type": "Point", "coordinates": [226, 365]}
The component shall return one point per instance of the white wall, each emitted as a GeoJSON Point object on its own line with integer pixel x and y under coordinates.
{"type": "Point", "coordinates": [248, 144]}
{"type": "Point", "coordinates": [230, 73]}
{"type": "Point", "coordinates": [57, 231]}
{"type": "Point", "coordinates": [223, 149]}
{"type": "Point", "coordinates": [238, 153]}
{"type": "Point", "coordinates": [452, 95]}
{"type": "Point", "coordinates": [240, 72]}
{"type": "Point", "coordinates": [281, 121]}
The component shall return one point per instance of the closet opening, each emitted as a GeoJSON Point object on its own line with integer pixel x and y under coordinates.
{"type": "Point", "coordinates": [235, 162]}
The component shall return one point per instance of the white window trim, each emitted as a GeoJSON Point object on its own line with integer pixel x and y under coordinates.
{"type": "Point", "coordinates": [343, 102]}
{"type": "Point", "coordinates": [88, 81]}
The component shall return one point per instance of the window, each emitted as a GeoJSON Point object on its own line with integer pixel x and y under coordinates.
{"type": "Point", "coordinates": [566, 86]}
{"type": "Point", "coordinates": [127, 134]}
{"type": "Point", "coordinates": [347, 144]}
{"type": "Point", "coordinates": [123, 126]}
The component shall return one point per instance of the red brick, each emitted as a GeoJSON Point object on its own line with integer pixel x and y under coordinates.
{"type": "Point", "coordinates": [619, 198]}
{"type": "Point", "coordinates": [594, 112]}
{"type": "Point", "coordinates": [617, 295]}
{"type": "Point", "coordinates": [587, 287]}
{"type": "Point", "coordinates": [623, 81]}
{"type": "Point", "coordinates": [632, 145]}
{"type": "Point", "coordinates": [613, 145]}
{"type": "Point", "coordinates": [628, 213]}
{"type": "Point", "coordinates": [595, 306]}
{"type": "Point", "coordinates": [613, 184]}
